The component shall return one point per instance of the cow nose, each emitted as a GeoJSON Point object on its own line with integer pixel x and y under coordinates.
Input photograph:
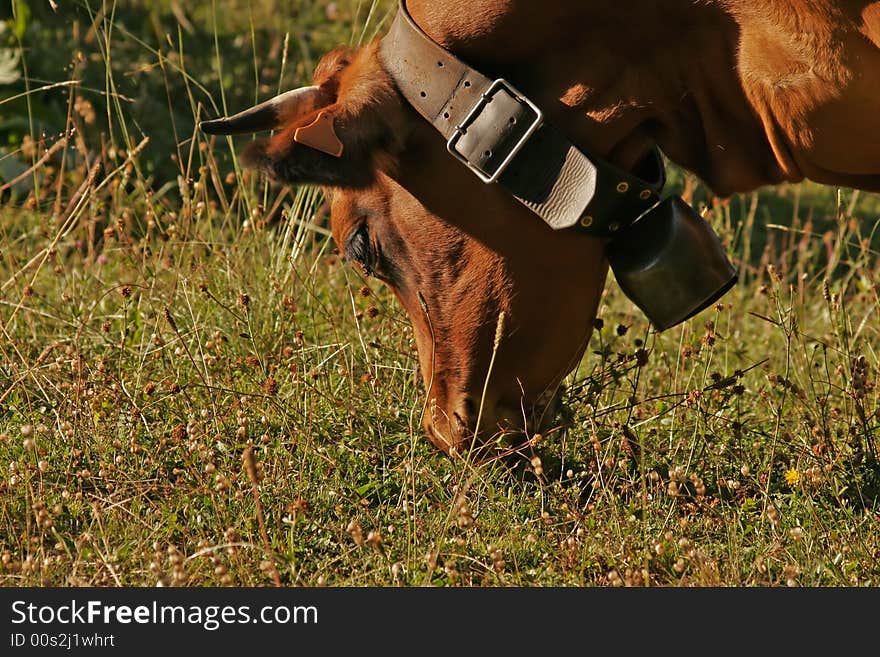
{"type": "Point", "coordinates": [465, 415]}
{"type": "Point", "coordinates": [482, 418]}
{"type": "Point", "coordinates": [454, 428]}
{"type": "Point", "coordinates": [450, 426]}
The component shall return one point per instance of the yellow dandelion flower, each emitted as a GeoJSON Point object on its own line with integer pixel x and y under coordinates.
{"type": "Point", "coordinates": [792, 477]}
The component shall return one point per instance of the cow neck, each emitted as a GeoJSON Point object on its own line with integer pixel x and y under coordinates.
{"type": "Point", "coordinates": [502, 137]}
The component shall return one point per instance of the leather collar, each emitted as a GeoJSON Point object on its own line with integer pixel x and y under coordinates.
{"type": "Point", "coordinates": [502, 137]}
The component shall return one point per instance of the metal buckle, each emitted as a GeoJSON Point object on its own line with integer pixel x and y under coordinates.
{"type": "Point", "coordinates": [485, 98]}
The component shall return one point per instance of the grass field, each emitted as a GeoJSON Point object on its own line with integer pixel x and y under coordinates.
{"type": "Point", "coordinates": [196, 391]}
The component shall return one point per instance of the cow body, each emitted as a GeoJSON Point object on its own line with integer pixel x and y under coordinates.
{"type": "Point", "coordinates": [743, 93]}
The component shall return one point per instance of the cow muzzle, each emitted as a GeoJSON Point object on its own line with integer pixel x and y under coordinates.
{"type": "Point", "coordinates": [670, 263]}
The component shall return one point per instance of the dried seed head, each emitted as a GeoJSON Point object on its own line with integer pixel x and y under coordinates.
{"type": "Point", "coordinates": [374, 539]}
{"type": "Point", "coordinates": [465, 519]}
{"type": "Point", "coordinates": [270, 386]}
{"type": "Point", "coordinates": [299, 506]}
{"type": "Point", "coordinates": [354, 530]}
{"type": "Point", "coordinates": [614, 578]}
{"type": "Point", "coordinates": [537, 466]}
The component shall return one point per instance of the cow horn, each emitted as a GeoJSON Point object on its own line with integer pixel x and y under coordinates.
{"type": "Point", "coordinates": [267, 115]}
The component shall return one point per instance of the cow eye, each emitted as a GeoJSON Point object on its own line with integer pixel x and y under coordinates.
{"type": "Point", "coordinates": [359, 249]}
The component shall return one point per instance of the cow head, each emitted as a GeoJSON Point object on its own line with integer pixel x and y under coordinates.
{"type": "Point", "coordinates": [502, 306]}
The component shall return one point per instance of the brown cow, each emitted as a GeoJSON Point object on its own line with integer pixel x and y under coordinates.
{"type": "Point", "coordinates": [744, 93]}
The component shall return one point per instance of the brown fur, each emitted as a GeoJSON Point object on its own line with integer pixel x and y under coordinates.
{"type": "Point", "coordinates": [742, 92]}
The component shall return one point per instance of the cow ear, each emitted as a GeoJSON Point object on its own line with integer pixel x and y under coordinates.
{"type": "Point", "coordinates": [340, 145]}
{"type": "Point", "coordinates": [320, 134]}
{"type": "Point", "coordinates": [336, 133]}
{"type": "Point", "coordinates": [331, 147]}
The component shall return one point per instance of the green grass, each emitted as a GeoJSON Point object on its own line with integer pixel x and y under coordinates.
{"type": "Point", "coordinates": [177, 336]}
